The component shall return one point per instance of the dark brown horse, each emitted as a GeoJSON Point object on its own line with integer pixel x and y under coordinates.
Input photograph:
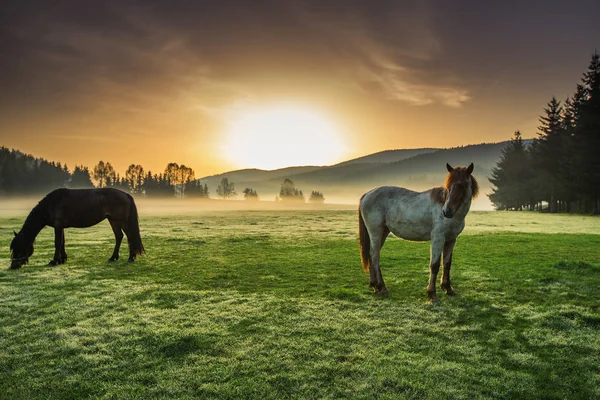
{"type": "Point", "coordinates": [436, 215]}
{"type": "Point", "coordinates": [78, 208]}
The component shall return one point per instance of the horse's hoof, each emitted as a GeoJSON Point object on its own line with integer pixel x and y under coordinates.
{"type": "Point", "coordinates": [434, 299]}
{"type": "Point", "coordinates": [382, 292]}
{"type": "Point", "coordinates": [53, 263]}
{"type": "Point", "coordinates": [130, 260]}
{"type": "Point", "coordinates": [113, 259]}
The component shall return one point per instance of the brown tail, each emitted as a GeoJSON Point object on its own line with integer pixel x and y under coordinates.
{"type": "Point", "coordinates": [133, 230]}
{"type": "Point", "coordinates": [364, 241]}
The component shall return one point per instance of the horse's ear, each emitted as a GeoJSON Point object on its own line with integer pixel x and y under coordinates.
{"type": "Point", "coordinates": [470, 168]}
{"type": "Point", "coordinates": [449, 168]}
{"type": "Point", "coordinates": [15, 233]}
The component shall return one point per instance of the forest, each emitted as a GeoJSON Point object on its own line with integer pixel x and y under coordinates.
{"type": "Point", "coordinates": [559, 171]}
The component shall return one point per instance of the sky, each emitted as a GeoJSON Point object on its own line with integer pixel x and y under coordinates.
{"type": "Point", "coordinates": [224, 85]}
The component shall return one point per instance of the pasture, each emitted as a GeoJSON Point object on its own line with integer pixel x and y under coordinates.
{"type": "Point", "coordinates": [273, 304]}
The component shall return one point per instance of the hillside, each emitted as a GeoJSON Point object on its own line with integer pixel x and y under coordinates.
{"type": "Point", "coordinates": [388, 156]}
{"type": "Point", "coordinates": [346, 182]}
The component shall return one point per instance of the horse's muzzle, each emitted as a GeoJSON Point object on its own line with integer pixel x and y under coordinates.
{"type": "Point", "coordinates": [448, 213]}
{"type": "Point", "coordinates": [16, 264]}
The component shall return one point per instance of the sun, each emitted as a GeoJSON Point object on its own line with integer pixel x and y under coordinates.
{"type": "Point", "coordinates": [282, 136]}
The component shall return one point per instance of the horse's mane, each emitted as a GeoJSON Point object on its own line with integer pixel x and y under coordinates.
{"type": "Point", "coordinates": [439, 194]}
{"type": "Point", "coordinates": [474, 187]}
{"type": "Point", "coordinates": [39, 212]}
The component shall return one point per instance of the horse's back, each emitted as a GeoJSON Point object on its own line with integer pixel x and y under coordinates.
{"type": "Point", "coordinates": [86, 207]}
{"type": "Point", "coordinates": [406, 213]}
{"type": "Point", "coordinates": [387, 198]}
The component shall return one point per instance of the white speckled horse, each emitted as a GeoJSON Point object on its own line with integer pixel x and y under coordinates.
{"type": "Point", "coordinates": [436, 215]}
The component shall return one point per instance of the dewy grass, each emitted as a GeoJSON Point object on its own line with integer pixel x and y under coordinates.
{"type": "Point", "coordinates": [274, 304]}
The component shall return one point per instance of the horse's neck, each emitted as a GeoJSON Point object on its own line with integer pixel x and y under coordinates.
{"type": "Point", "coordinates": [34, 223]}
{"type": "Point", "coordinates": [463, 210]}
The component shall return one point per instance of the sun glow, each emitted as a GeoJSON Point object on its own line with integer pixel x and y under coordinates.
{"type": "Point", "coordinates": [282, 136]}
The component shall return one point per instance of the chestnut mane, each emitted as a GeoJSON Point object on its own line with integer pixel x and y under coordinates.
{"type": "Point", "coordinates": [439, 194]}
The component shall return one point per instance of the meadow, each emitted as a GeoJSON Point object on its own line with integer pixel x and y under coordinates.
{"type": "Point", "coordinates": [273, 304]}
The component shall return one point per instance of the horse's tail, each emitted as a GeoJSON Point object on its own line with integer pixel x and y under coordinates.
{"type": "Point", "coordinates": [364, 240]}
{"type": "Point", "coordinates": [133, 230]}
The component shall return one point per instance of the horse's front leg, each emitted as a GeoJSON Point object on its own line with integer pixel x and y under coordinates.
{"type": "Point", "coordinates": [445, 281]}
{"type": "Point", "coordinates": [59, 238]}
{"type": "Point", "coordinates": [437, 244]}
{"type": "Point", "coordinates": [63, 252]}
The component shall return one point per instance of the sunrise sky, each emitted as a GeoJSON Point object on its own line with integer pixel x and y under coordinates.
{"type": "Point", "coordinates": [222, 85]}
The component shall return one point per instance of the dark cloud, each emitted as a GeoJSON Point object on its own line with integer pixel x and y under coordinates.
{"type": "Point", "coordinates": [70, 49]}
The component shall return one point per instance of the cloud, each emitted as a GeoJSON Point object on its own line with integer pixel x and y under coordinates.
{"type": "Point", "coordinates": [395, 51]}
{"type": "Point", "coordinates": [144, 57]}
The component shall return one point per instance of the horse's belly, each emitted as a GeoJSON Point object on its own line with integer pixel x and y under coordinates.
{"type": "Point", "coordinates": [82, 220]}
{"type": "Point", "coordinates": [85, 224]}
{"type": "Point", "coordinates": [412, 233]}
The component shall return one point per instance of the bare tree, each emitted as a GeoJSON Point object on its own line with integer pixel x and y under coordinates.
{"type": "Point", "coordinates": [135, 178]}
{"type": "Point", "coordinates": [226, 189]}
{"type": "Point", "coordinates": [179, 176]}
{"type": "Point", "coordinates": [104, 174]}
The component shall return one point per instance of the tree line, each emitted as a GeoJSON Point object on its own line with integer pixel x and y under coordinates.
{"type": "Point", "coordinates": [559, 171]}
{"type": "Point", "coordinates": [24, 174]}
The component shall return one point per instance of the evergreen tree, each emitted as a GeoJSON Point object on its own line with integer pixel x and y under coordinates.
{"type": "Point", "coordinates": [549, 156]}
{"type": "Point", "coordinates": [250, 194]}
{"type": "Point", "coordinates": [587, 138]}
{"type": "Point", "coordinates": [195, 188]}
{"type": "Point", "coordinates": [288, 192]}
{"type": "Point", "coordinates": [80, 179]}
{"type": "Point", "coordinates": [512, 177]}
{"type": "Point", "coordinates": [316, 197]}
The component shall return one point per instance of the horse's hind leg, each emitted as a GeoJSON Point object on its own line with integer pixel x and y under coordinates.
{"type": "Point", "coordinates": [377, 241]}
{"type": "Point", "coordinates": [116, 227]}
{"type": "Point", "coordinates": [445, 281]}
{"type": "Point", "coordinates": [131, 252]}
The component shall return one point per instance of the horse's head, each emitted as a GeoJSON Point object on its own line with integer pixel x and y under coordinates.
{"type": "Point", "coordinates": [461, 187]}
{"type": "Point", "coordinates": [20, 251]}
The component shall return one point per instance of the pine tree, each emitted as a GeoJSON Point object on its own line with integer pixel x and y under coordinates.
{"type": "Point", "coordinates": [250, 194]}
{"type": "Point", "coordinates": [587, 137]}
{"type": "Point", "coordinates": [512, 177]}
{"type": "Point", "coordinates": [288, 192]}
{"type": "Point", "coordinates": [80, 179]}
{"type": "Point", "coordinates": [549, 156]}
{"type": "Point", "coordinates": [316, 197]}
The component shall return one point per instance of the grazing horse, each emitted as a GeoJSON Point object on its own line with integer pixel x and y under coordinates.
{"type": "Point", "coordinates": [78, 208]}
{"type": "Point", "coordinates": [436, 215]}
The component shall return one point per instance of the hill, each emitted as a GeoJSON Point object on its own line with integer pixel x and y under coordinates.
{"type": "Point", "coordinates": [345, 182]}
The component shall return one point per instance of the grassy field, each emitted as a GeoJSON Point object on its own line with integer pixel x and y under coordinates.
{"type": "Point", "coordinates": [274, 305]}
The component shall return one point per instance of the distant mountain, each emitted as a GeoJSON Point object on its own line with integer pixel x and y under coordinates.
{"type": "Point", "coordinates": [254, 174]}
{"type": "Point", "coordinates": [418, 169]}
{"type": "Point", "coordinates": [388, 156]}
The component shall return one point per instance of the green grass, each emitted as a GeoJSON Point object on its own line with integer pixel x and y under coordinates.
{"type": "Point", "coordinates": [274, 305]}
